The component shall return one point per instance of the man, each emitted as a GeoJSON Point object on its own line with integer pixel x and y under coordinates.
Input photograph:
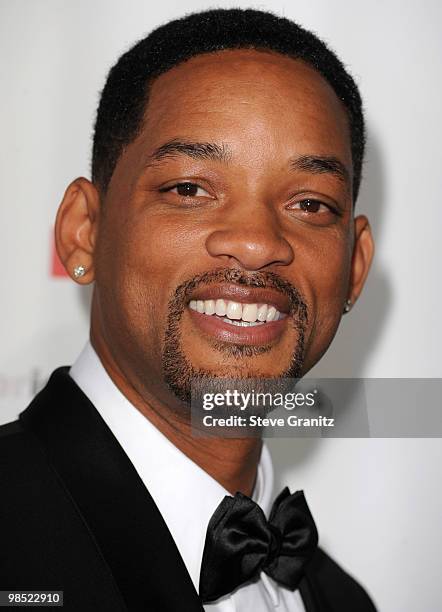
{"type": "Point", "coordinates": [219, 232]}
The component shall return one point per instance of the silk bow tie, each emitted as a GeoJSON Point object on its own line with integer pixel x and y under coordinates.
{"type": "Point", "coordinates": [240, 543]}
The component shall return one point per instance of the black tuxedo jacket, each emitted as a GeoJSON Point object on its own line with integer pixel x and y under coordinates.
{"type": "Point", "coordinates": [75, 516]}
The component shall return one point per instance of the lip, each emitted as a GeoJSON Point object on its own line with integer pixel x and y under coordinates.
{"type": "Point", "coordinates": [225, 332]}
{"type": "Point", "coordinates": [243, 295]}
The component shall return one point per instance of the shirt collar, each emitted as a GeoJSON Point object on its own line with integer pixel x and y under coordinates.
{"type": "Point", "coordinates": [184, 493]}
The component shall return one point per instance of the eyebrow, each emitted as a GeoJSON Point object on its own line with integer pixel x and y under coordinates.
{"type": "Point", "coordinates": [321, 165]}
{"type": "Point", "coordinates": [196, 150]}
{"type": "Point", "coordinates": [315, 164]}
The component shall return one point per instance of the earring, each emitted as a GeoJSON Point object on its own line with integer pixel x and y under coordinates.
{"type": "Point", "coordinates": [79, 271]}
{"type": "Point", "coordinates": [348, 306]}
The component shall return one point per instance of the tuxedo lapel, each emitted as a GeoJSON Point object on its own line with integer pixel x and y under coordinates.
{"type": "Point", "coordinates": [126, 524]}
{"type": "Point", "coordinates": [311, 595]}
{"type": "Point", "coordinates": [326, 587]}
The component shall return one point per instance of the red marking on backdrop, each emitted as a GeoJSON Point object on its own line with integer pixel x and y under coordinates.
{"type": "Point", "coordinates": [57, 268]}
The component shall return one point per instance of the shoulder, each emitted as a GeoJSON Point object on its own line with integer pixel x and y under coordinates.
{"type": "Point", "coordinates": [338, 590]}
{"type": "Point", "coordinates": [25, 466]}
{"type": "Point", "coordinates": [15, 442]}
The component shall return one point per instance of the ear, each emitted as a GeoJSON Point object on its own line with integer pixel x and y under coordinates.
{"type": "Point", "coordinates": [76, 228]}
{"type": "Point", "coordinates": [363, 251]}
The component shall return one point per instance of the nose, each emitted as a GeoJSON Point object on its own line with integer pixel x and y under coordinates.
{"type": "Point", "coordinates": [252, 237]}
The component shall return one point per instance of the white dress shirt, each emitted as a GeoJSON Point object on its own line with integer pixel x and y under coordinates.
{"type": "Point", "coordinates": [184, 493]}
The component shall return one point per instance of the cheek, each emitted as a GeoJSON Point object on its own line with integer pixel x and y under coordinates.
{"type": "Point", "coordinates": [142, 260]}
{"type": "Point", "coordinates": [169, 244]}
{"type": "Point", "coordinates": [326, 272]}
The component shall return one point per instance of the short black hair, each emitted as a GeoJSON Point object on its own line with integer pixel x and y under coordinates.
{"type": "Point", "coordinates": [125, 94]}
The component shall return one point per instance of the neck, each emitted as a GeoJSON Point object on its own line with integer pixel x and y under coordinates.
{"type": "Point", "coordinates": [231, 462]}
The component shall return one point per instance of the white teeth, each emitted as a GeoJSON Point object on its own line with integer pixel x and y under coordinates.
{"type": "Point", "coordinates": [262, 312]}
{"type": "Point", "coordinates": [220, 308]}
{"type": "Point", "coordinates": [234, 310]}
{"type": "Point", "coordinates": [271, 314]}
{"type": "Point", "coordinates": [249, 312]}
{"type": "Point", "coordinates": [209, 307]}
{"type": "Point", "coordinates": [243, 323]}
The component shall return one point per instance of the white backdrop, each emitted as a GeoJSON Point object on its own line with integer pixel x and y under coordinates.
{"type": "Point", "coordinates": [377, 502]}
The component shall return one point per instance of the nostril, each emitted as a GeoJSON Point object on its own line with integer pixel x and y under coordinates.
{"type": "Point", "coordinates": [252, 250]}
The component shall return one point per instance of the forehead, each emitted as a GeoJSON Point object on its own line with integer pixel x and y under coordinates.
{"type": "Point", "coordinates": [238, 94]}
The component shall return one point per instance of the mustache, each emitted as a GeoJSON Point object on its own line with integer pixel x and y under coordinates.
{"type": "Point", "coordinates": [297, 303]}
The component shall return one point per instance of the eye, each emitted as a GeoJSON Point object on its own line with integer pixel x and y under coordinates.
{"type": "Point", "coordinates": [310, 205]}
{"type": "Point", "coordinates": [187, 189]}
{"type": "Point", "coordinates": [313, 211]}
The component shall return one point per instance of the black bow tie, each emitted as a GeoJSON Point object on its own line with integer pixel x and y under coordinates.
{"type": "Point", "coordinates": [240, 543]}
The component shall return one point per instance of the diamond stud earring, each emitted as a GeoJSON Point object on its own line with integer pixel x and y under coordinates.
{"type": "Point", "coordinates": [79, 271]}
{"type": "Point", "coordinates": [347, 306]}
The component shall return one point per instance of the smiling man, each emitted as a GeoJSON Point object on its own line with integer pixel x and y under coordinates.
{"type": "Point", "coordinates": [219, 232]}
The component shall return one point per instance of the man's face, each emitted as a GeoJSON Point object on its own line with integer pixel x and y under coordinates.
{"type": "Point", "coordinates": [234, 198]}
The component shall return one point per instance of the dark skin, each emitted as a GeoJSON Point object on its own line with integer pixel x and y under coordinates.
{"type": "Point", "coordinates": [256, 209]}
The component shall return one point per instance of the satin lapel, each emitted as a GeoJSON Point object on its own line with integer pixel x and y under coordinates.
{"type": "Point", "coordinates": [310, 589]}
{"type": "Point", "coordinates": [310, 602]}
{"type": "Point", "coordinates": [127, 526]}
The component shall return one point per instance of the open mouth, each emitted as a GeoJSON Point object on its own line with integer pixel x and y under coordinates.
{"type": "Point", "coordinates": [236, 313]}
{"type": "Point", "coordinates": [239, 314]}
